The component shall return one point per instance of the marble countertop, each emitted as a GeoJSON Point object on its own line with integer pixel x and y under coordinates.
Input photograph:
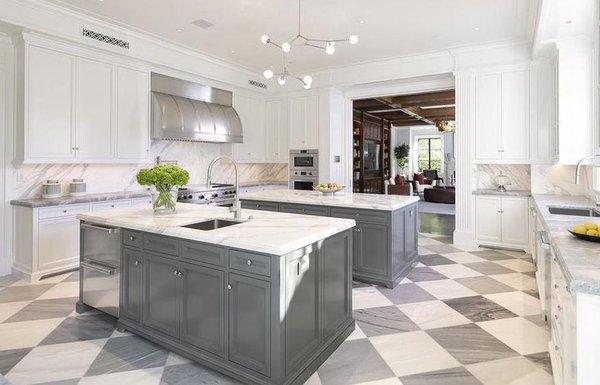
{"type": "Point", "coordinates": [267, 232]}
{"type": "Point", "coordinates": [340, 199]}
{"type": "Point", "coordinates": [507, 193]}
{"type": "Point", "coordinates": [68, 200]}
{"type": "Point", "coordinates": [578, 259]}
{"type": "Point", "coordinates": [264, 183]}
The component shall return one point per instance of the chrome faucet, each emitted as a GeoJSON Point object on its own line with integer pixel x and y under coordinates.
{"type": "Point", "coordinates": [579, 164]}
{"type": "Point", "coordinates": [237, 207]}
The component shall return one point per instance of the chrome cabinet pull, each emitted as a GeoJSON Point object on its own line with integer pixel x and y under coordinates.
{"type": "Point", "coordinates": [131, 237]}
{"type": "Point", "coordinates": [109, 230]}
{"type": "Point", "coordinates": [229, 287]}
{"type": "Point", "coordinates": [136, 263]}
{"type": "Point", "coordinates": [175, 273]}
{"type": "Point", "coordinates": [249, 262]}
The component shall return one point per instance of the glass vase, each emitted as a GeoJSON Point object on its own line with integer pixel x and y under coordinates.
{"type": "Point", "coordinates": [164, 202]}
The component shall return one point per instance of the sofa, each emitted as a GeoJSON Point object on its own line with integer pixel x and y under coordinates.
{"type": "Point", "coordinates": [440, 195]}
{"type": "Point", "coordinates": [398, 186]}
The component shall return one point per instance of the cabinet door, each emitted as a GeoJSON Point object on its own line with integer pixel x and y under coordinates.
{"type": "Point", "coordinates": [94, 98]}
{"type": "Point", "coordinates": [515, 220]}
{"type": "Point", "coordinates": [312, 122]}
{"type": "Point", "coordinates": [49, 101]}
{"type": "Point", "coordinates": [131, 284]}
{"type": "Point", "coordinates": [249, 323]}
{"type": "Point", "coordinates": [252, 116]}
{"type": "Point", "coordinates": [58, 242]}
{"type": "Point", "coordinates": [161, 308]}
{"type": "Point", "coordinates": [487, 218]}
{"type": "Point", "coordinates": [302, 334]}
{"type": "Point", "coordinates": [515, 115]}
{"type": "Point", "coordinates": [133, 128]}
{"type": "Point", "coordinates": [337, 281]}
{"type": "Point", "coordinates": [544, 146]}
{"type": "Point", "coordinates": [203, 308]}
{"type": "Point", "coordinates": [297, 123]}
{"type": "Point", "coordinates": [372, 250]}
{"type": "Point", "coordinates": [276, 130]}
{"type": "Point", "coordinates": [410, 231]}
{"type": "Point", "coordinates": [487, 117]}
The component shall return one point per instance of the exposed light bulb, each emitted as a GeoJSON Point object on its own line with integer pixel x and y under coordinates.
{"type": "Point", "coordinates": [330, 48]}
{"type": "Point", "coordinates": [307, 79]}
{"type": "Point", "coordinates": [265, 39]}
{"type": "Point", "coordinates": [306, 86]}
{"type": "Point", "coordinates": [353, 39]}
{"type": "Point", "coordinates": [286, 47]}
{"type": "Point", "coordinates": [268, 74]}
{"type": "Point", "coordinates": [281, 80]}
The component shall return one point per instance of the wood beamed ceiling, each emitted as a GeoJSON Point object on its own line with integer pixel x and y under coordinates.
{"type": "Point", "coordinates": [407, 110]}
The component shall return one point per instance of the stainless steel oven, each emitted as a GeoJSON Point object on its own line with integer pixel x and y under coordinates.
{"type": "Point", "coordinates": [100, 267]}
{"type": "Point", "coordinates": [304, 169]}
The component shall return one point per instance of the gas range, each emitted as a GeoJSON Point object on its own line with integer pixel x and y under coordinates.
{"type": "Point", "coordinates": [218, 194]}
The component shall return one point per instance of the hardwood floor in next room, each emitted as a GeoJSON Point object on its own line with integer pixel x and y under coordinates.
{"type": "Point", "coordinates": [462, 317]}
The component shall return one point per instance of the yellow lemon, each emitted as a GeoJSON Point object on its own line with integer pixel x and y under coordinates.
{"type": "Point", "coordinates": [590, 226]}
{"type": "Point", "coordinates": [592, 232]}
{"type": "Point", "coordinates": [580, 229]}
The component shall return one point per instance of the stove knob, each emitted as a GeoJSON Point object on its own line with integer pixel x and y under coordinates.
{"type": "Point", "coordinates": [215, 195]}
{"type": "Point", "coordinates": [201, 197]}
{"type": "Point", "coordinates": [190, 196]}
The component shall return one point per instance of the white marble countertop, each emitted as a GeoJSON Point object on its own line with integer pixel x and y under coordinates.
{"type": "Point", "coordinates": [340, 199]}
{"type": "Point", "coordinates": [69, 200]}
{"type": "Point", "coordinates": [578, 259]}
{"type": "Point", "coordinates": [507, 193]}
{"type": "Point", "coordinates": [267, 232]}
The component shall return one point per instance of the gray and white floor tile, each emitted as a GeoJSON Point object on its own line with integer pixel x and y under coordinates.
{"type": "Point", "coordinates": [461, 317]}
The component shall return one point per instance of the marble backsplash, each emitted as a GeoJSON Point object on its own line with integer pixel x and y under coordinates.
{"type": "Point", "coordinates": [519, 176]}
{"type": "Point", "coordinates": [560, 180]}
{"type": "Point", "coordinates": [24, 181]}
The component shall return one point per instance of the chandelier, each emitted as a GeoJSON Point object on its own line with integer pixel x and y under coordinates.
{"type": "Point", "coordinates": [446, 125]}
{"type": "Point", "coordinates": [299, 40]}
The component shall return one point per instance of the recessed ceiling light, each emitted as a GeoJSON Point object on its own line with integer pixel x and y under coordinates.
{"type": "Point", "coordinates": [362, 22]}
{"type": "Point", "coordinates": [232, 51]}
{"type": "Point", "coordinates": [179, 30]}
{"type": "Point", "coordinates": [476, 28]}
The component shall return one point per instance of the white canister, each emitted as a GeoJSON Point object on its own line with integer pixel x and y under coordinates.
{"type": "Point", "coordinates": [77, 187]}
{"type": "Point", "coordinates": [51, 189]}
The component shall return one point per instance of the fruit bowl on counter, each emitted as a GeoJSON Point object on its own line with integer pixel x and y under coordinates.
{"type": "Point", "coordinates": [588, 231]}
{"type": "Point", "coordinates": [328, 188]}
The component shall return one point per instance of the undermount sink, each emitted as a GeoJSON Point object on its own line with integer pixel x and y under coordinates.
{"type": "Point", "coordinates": [212, 224]}
{"type": "Point", "coordinates": [575, 211]}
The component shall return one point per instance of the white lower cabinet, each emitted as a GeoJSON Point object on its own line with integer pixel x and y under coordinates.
{"type": "Point", "coordinates": [502, 221]}
{"type": "Point", "coordinates": [47, 238]}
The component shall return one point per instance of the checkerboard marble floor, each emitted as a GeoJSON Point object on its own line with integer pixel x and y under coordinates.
{"type": "Point", "coordinates": [462, 317]}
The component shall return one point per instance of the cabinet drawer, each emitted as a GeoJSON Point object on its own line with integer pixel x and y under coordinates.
{"type": "Point", "coordinates": [254, 205]}
{"type": "Point", "coordinates": [360, 215]}
{"type": "Point", "coordinates": [161, 244]}
{"type": "Point", "coordinates": [108, 205]}
{"type": "Point", "coordinates": [203, 253]}
{"type": "Point", "coordinates": [62, 211]}
{"type": "Point", "coordinates": [132, 238]}
{"type": "Point", "coordinates": [303, 209]}
{"type": "Point", "coordinates": [252, 263]}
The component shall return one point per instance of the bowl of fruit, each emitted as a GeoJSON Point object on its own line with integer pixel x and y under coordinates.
{"type": "Point", "coordinates": [329, 188]}
{"type": "Point", "coordinates": [588, 231]}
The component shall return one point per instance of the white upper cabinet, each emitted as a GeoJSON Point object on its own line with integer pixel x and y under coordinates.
{"type": "Point", "coordinates": [80, 109]}
{"type": "Point", "coordinates": [304, 122]}
{"type": "Point", "coordinates": [277, 131]}
{"type": "Point", "coordinates": [133, 98]}
{"type": "Point", "coordinates": [93, 101]}
{"type": "Point", "coordinates": [502, 116]}
{"type": "Point", "coordinates": [544, 139]}
{"type": "Point", "coordinates": [252, 116]}
{"type": "Point", "coordinates": [48, 105]}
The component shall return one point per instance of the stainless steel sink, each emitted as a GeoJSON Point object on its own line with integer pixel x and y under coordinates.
{"type": "Point", "coordinates": [212, 224]}
{"type": "Point", "coordinates": [575, 211]}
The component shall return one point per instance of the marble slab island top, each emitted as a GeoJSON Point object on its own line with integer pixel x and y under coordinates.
{"type": "Point", "coordinates": [266, 232]}
{"type": "Point", "coordinates": [340, 199]}
{"type": "Point", "coordinates": [507, 193]}
{"type": "Point", "coordinates": [578, 259]}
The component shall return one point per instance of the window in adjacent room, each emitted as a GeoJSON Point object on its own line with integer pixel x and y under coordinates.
{"type": "Point", "coordinates": [430, 155]}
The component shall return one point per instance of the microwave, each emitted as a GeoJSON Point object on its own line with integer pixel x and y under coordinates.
{"type": "Point", "coordinates": [304, 160]}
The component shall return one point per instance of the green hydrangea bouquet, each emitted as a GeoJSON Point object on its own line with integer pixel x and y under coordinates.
{"type": "Point", "coordinates": [163, 177]}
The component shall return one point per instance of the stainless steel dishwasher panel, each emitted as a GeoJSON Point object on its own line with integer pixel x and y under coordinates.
{"type": "Point", "coordinates": [100, 264]}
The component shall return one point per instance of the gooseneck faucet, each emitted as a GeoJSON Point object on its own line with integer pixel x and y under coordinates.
{"type": "Point", "coordinates": [237, 207]}
{"type": "Point", "coordinates": [580, 163]}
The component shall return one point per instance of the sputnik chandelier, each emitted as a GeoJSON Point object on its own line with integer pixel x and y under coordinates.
{"type": "Point", "coordinates": [299, 40]}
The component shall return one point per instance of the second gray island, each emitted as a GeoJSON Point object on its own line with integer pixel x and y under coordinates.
{"type": "Point", "coordinates": [385, 239]}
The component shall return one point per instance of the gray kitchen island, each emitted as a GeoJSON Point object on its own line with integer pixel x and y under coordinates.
{"type": "Point", "coordinates": [265, 300]}
{"type": "Point", "coordinates": [385, 239]}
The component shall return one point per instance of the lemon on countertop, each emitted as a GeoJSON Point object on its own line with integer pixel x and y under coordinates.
{"type": "Point", "coordinates": [593, 233]}
{"type": "Point", "coordinates": [580, 229]}
{"type": "Point", "coordinates": [591, 226]}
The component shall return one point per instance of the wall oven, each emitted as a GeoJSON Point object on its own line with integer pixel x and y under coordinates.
{"type": "Point", "coordinates": [304, 169]}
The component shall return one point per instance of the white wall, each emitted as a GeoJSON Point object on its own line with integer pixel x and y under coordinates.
{"type": "Point", "coordinates": [6, 91]}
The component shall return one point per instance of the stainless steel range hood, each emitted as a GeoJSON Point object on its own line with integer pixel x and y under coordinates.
{"type": "Point", "coordinates": [183, 110]}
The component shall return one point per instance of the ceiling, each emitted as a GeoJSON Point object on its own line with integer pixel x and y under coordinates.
{"type": "Point", "coordinates": [411, 110]}
{"type": "Point", "coordinates": [386, 28]}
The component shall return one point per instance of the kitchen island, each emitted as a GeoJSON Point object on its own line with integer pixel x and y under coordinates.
{"type": "Point", "coordinates": [266, 300]}
{"type": "Point", "coordinates": [385, 239]}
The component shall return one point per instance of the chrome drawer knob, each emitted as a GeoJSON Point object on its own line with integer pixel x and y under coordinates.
{"type": "Point", "coordinates": [228, 287]}
{"type": "Point", "coordinates": [136, 263]}
{"type": "Point", "coordinates": [175, 273]}
{"type": "Point", "coordinates": [131, 237]}
{"type": "Point", "coordinates": [249, 262]}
